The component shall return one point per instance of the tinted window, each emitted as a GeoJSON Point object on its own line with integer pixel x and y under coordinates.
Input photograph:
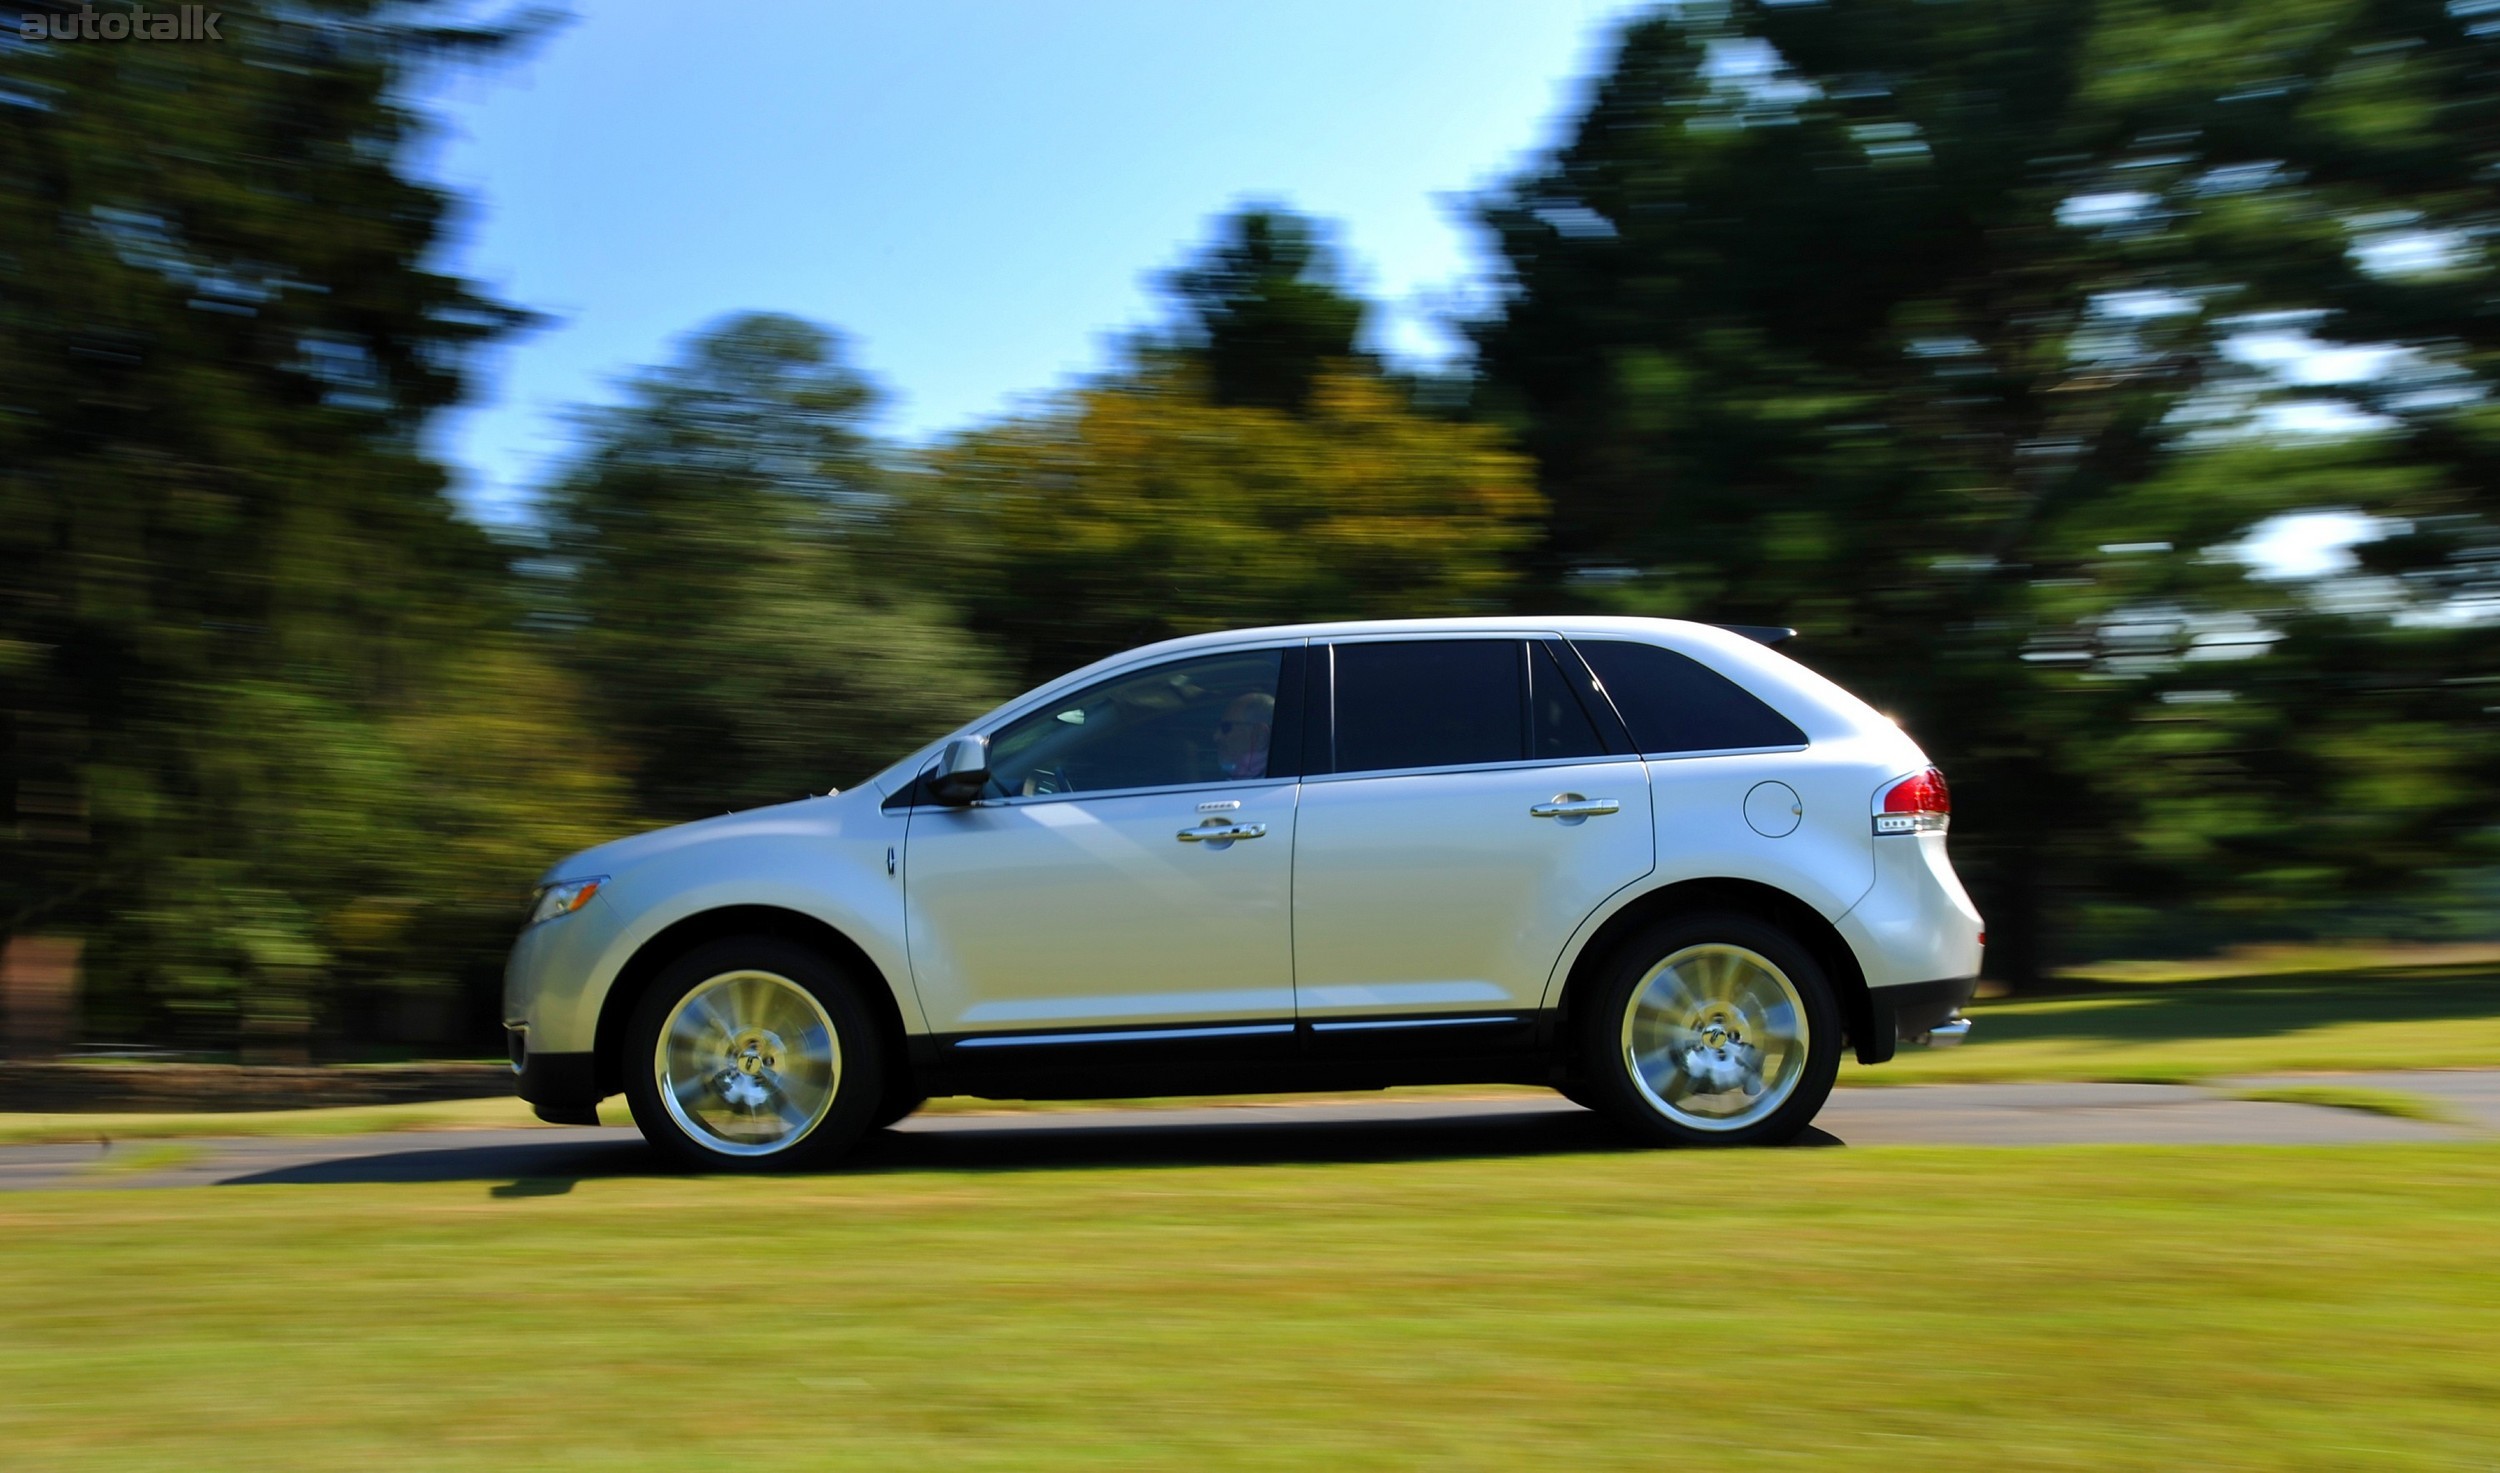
{"type": "Point", "coordinates": [1431, 703]}
{"type": "Point", "coordinates": [1562, 725]}
{"type": "Point", "coordinates": [1674, 703]}
{"type": "Point", "coordinates": [1208, 720]}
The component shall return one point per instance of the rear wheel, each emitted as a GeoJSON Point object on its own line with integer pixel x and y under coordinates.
{"type": "Point", "coordinates": [1715, 1029]}
{"type": "Point", "coordinates": [753, 1054]}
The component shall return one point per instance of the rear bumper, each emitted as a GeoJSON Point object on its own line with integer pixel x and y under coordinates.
{"type": "Point", "coordinates": [1916, 1014]}
{"type": "Point", "coordinates": [1916, 922]}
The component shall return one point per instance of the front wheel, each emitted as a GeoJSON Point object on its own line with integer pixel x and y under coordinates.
{"type": "Point", "coordinates": [753, 1054]}
{"type": "Point", "coordinates": [1715, 1029]}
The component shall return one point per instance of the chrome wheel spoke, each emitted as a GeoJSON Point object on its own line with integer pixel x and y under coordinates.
{"type": "Point", "coordinates": [790, 1111]}
{"type": "Point", "coordinates": [694, 1091]}
{"type": "Point", "coordinates": [702, 1018]}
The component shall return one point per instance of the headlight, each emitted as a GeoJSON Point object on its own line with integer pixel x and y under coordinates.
{"type": "Point", "coordinates": [564, 897]}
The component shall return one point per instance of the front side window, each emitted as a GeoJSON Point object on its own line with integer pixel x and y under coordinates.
{"type": "Point", "coordinates": [1206, 720]}
{"type": "Point", "coordinates": [1430, 703]}
{"type": "Point", "coordinates": [1674, 703]}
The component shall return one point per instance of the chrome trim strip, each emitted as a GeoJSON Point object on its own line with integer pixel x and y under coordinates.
{"type": "Point", "coordinates": [1413, 1023]}
{"type": "Point", "coordinates": [1729, 751]}
{"type": "Point", "coordinates": [1125, 1035]}
{"type": "Point", "coordinates": [1524, 764]}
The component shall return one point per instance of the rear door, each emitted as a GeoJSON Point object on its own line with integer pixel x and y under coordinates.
{"type": "Point", "coordinates": [1466, 805]}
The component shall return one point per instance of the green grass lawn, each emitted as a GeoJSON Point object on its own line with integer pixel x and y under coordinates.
{"type": "Point", "coordinates": [2177, 1023]}
{"type": "Point", "coordinates": [1914, 1309]}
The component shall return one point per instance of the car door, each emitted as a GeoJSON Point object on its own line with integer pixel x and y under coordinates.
{"type": "Point", "coordinates": [1465, 808]}
{"type": "Point", "coordinates": [1130, 865]}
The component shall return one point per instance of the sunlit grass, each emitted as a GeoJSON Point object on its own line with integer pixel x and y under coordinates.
{"type": "Point", "coordinates": [2289, 959]}
{"type": "Point", "coordinates": [2391, 1102]}
{"type": "Point", "coordinates": [1915, 1309]}
{"type": "Point", "coordinates": [2397, 1017]}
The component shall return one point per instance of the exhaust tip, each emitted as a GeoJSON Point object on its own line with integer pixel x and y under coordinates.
{"type": "Point", "coordinates": [1944, 1035]}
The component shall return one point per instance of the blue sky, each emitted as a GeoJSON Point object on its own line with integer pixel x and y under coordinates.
{"type": "Point", "coordinates": [980, 194]}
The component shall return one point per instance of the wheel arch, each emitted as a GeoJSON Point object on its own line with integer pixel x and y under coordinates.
{"type": "Point", "coordinates": [689, 932]}
{"type": "Point", "coordinates": [1747, 897]}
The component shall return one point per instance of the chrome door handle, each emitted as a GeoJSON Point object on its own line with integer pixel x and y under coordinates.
{"type": "Point", "coordinates": [1572, 805]}
{"type": "Point", "coordinates": [1220, 833]}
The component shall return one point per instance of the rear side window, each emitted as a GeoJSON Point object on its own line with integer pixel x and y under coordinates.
{"type": "Point", "coordinates": [1430, 703]}
{"type": "Point", "coordinates": [1674, 703]}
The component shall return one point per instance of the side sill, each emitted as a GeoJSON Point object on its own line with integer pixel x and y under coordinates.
{"type": "Point", "coordinates": [1250, 1057]}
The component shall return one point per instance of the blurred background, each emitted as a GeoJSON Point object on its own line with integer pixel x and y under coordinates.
{"type": "Point", "coordinates": [433, 439]}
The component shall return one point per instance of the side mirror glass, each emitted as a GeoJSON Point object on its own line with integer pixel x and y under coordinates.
{"type": "Point", "coordinates": [962, 770]}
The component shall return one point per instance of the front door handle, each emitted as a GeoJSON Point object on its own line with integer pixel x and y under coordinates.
{"type": "Point", "coordinates": [1572, 805]}
{"type": "Point", "coordinates": [1216, 831]}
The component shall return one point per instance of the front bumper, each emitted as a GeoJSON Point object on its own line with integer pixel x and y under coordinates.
{"type": "Point", "coordinates": [563, 1089]}
{"type": "Point", "coordinates": [555, 977]}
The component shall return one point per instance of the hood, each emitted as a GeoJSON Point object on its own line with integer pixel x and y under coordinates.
{"type": "Point", "coordinates": [620, 855]}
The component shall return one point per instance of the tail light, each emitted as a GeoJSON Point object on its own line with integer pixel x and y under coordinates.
{"type": "Point", "coordinates": [1917, 804]}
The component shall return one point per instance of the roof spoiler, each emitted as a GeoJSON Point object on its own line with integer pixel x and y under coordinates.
{"type": "Point", "coordinates": [1759, 633]}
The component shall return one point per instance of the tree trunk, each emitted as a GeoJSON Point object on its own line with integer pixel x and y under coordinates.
{"type": "Point", "coordinates": [38, 996]}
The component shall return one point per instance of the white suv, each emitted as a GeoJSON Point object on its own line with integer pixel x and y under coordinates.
{"type": "Point", "coordinates": [1655, 865]}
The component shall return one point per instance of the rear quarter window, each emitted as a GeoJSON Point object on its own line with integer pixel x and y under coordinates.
{"type": "Point", "coordinates": [1674, 703]}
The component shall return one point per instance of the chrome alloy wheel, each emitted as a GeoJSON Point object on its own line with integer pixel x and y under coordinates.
{"type": "Point", "coordinates": [1715, 1037]}
{"type": "Point", "coordinates": [747, 1063]}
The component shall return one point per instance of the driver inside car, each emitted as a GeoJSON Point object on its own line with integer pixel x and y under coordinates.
{"type": "Point", "coordinates": [1241, 736]}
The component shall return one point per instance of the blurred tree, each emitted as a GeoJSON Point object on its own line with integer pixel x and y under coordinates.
{"type": "Point", "coordinates": [237, 610]}
{"type": "Point", "coordinates": [1141, 509]}
{"type": "Point", "coordinates": [715, 576]}
{"type": "Point", "coordinates": [1930, 329]}
{"type": "Point", "coordinates": [1266, 310]}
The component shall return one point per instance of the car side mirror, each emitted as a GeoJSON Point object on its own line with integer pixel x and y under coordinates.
{"type": "Point", "coordinates": [962, 770]}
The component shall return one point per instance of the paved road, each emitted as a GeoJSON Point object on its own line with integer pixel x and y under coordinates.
{"type": "Point", "coordinates": [525, 1162]}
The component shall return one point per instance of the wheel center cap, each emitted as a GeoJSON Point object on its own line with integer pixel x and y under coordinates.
{"type": "Point", "coordinates": [752, 1054]}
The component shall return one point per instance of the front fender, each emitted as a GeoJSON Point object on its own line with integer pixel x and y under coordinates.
{"type": "Point", "coordinates": [828, 866]}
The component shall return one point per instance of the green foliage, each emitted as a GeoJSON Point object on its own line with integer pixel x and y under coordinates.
{"type": "Point", "coordinates": [1926, 329]}
{"type": "Point", "coordinates": [1266, 310]}
{"type": "Point", "coordinates": [715, 580]}
{"type": "Point", "coordinates": [241, 627]}
{"type": "Point", "coordinates": [1141, 510]}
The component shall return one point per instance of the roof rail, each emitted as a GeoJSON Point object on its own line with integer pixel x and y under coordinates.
{"type": "Point", "coordinates": [1759, 633]}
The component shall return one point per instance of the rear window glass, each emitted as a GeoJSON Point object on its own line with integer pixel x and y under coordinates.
{"type": "Point", "coordinates": [1674, 703]}
{"type": "Point", "coordinates": [1432, 703]}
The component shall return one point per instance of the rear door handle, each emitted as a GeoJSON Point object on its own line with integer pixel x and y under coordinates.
{"type": "Point", "coordinates": [1572, 805]}
{"type": "Point", "coordinates": [1219, 832]}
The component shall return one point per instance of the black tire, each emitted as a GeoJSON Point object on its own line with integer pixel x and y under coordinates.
{"type": "Point", "coordinates": [1579, 1094]}
{"type": "Point", "coordinates": [896, 1107]}
{"type": "Point", "coordinates": [1609, 1081]}
{"type": "Point", "coordinates": [858, 1076]}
